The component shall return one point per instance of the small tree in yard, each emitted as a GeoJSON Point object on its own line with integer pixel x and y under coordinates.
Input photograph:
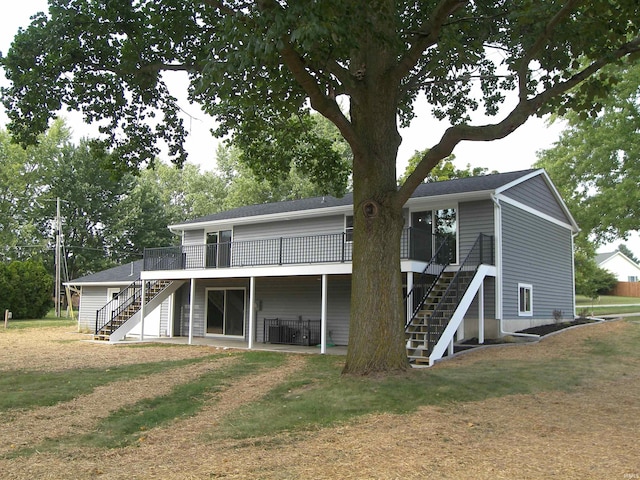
{"type": "Point", "coordinates": [260, 67]}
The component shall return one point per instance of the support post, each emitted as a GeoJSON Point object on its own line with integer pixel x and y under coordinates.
{"type": "Point", "coordinates": [192, 294]}
{"type": "Point", "coordinates": [143, 297]}
{"type": "Point", "coordinates": [252, 311]}
{"type": "Point", "coordinates": [409, 298]}
{"type": "Point", "coordinates": [323, 316]}
{"type": "Point", "coordinates": [481, 313]}
{"type": "Point", "coordinates": [6, 318]}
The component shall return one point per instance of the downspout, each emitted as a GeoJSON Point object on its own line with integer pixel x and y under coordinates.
{"type": "Point", "coordinates": [498, 260]}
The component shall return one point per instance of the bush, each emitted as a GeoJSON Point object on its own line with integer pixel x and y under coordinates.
{"type": "Point", "coordinates": [592, 280]}
{"type": "Point", "coordinates": [25, 289]}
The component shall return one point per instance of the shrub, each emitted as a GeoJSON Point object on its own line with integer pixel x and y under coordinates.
{"type": "Point", "coordinates": [25, 289]}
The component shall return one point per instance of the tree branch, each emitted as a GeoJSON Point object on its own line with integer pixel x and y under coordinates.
{"type": "Point", "coordinates": [516, 118]}
{"type": "Point", "coordinates": [540, 42]}
{"type": "Point", "coordinates": [320, 101]}
{"type": "Point", "coordinates": [428, 37]}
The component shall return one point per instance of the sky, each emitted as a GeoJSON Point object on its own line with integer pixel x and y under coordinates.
{"type": "Point", "coordinates": [515, 152]}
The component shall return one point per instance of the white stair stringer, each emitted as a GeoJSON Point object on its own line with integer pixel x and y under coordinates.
{"type": "Point", "coordinates": [149, 307]}
{"type": "Point", "coordinates": [446, 340]}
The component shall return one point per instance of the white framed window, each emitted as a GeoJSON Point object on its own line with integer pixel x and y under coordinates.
{"type": "Point", "coordinates": [632, 278]}
{"type": "Point", "coordinates": [348, 228]}
{"type": "Point", "coordinates": [525, 300]}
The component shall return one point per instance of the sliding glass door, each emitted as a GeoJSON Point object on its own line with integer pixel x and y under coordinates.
{"type": "Point", "coordinates": [225, 312]}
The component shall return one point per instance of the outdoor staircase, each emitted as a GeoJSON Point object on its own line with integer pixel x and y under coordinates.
{"type": "Point", "coordinates": [128, 304]}
{"type": "Point", "coordinates": [426, 327]}
{"type": "Point", "coordinates": [441, 299]}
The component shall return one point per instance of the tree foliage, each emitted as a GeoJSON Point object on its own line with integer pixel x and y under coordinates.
{"type": "Point", "coordinates": [596, 162]}
{"type": "Point", "coordinates": [259, 68]}
{"type": "Point", "coordinates": [26, 289]}
{"type": "Point", "coordinates": [592, 280]}
{"type": "Point", "coordinates": [622, 248]}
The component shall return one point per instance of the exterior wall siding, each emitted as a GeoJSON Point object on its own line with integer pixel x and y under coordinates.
{"type": "Point", "coordinates": [290, 228]}
{"type": "Point", "coordinates": [536, 193]}
{"type": "Point", "coordinates": [193, 237]}
{"type": "Point", "coordinates": [538, 253]}
{"type": "Point", "coordinates": [474, 218]}
{"type": "Point", "coordinates": [291, 298]}
{"type": "Point", "coordinates": [280, 242]}
{"type": "Point", "coordinates": [92, 299]}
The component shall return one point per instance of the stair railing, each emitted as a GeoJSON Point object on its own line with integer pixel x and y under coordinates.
{"type": "Point", "coordinates": [481, 253]}
{"type": "Point", "coordinates": [424, 284]}
{"type": "Point", "coordinates": [124, 299]}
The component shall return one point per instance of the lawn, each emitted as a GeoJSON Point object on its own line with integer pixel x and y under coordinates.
{"type": "Point", "coordinates": [66, 406]}
{"type": "Point", "coordinates": [606, 305]}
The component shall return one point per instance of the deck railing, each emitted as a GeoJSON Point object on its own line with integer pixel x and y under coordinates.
{"type": "Point", "coordinates": [328, 248]}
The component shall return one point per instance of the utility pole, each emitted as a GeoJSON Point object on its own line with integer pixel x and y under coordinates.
{"type": "Point", "coordinates": [58, 243]}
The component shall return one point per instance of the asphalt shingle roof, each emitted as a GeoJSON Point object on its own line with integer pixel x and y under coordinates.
{"type": "Point", "coordinates": [449, 187]}
{"type": "Point", "coordinates": [119, 274]}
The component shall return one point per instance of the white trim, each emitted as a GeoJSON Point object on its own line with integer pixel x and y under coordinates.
{"type": "Point", "coordinates": [252, 311]}
{"type": "Point", "coordinates": [111, 291]}
{"type": "Point", "coordinates": [552, 187]}
{"type": "Point", "coordinates": [206, 309]}
{"type": "Point", "coordinates": [170, 315]}
{"type": "Point", "coordinates": [98, 284]}
{"type": "Point", "coordinates": [143, 297]}
{"type": "Point", "coordinates": [497, 225]}
{"type": "Point", "coordinates": [246, 272]}
{"type": "Point", "coordinates": [323, 315]}
{"type": "Point", "coordinates": [518, 181]}
{"type": "Point", "coordinates": [529, 287]}
{"type": "Point", "coordinates": [192, 294]}
{"type": "Point", "coordinates": [535, 212]}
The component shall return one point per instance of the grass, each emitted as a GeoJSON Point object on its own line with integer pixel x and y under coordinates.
{"type": "Point", "coordinates": [588, 306]}
{"type": "Point", "coordinates": [322, 397]}
{"type": "Point", "coordinates": [29, 389]}
{"type": "Point", "coordinates": [318, 395]}
{"type": "Point", "coordinates": [127, 425]}
{"type": "Point", "coordinates": [581, 300]}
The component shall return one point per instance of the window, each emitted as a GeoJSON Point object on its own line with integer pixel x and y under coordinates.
{"type": "Point", "coordinates": [443, 225]}
{"type": "Point", "coordinates": [348, 228]}
{"type": "Point", "coordinates": [525, 300]}
{"type": "Point", "coordinates": [632, 278]}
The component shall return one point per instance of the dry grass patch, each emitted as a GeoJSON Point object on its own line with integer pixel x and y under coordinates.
{"type": "Point", "coordinates": [588, 430]}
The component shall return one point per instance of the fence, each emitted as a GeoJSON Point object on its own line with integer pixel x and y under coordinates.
{"type": "Point", "coordinates": [626, 289]}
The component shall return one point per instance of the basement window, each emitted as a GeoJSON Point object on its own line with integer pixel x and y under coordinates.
{"type": "Point", "coordinates": [525, 300]}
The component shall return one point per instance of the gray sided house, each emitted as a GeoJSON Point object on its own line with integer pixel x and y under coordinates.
{"type": "Point", "coordinates": [481, 257]}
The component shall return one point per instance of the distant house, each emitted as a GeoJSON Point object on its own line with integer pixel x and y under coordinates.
{"type": "Point", "coordinates": [480, 256]}
{"type": "Point", "coordinates": [625, 269]}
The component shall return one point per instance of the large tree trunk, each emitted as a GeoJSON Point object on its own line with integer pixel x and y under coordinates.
{"type": "Point", "coordinates": [376, 333]}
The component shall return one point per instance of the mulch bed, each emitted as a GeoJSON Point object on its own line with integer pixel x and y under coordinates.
{"type": "Point", "coordinates": [541, 330]}
{"type": "Point", "coordinates": [554, 327]}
